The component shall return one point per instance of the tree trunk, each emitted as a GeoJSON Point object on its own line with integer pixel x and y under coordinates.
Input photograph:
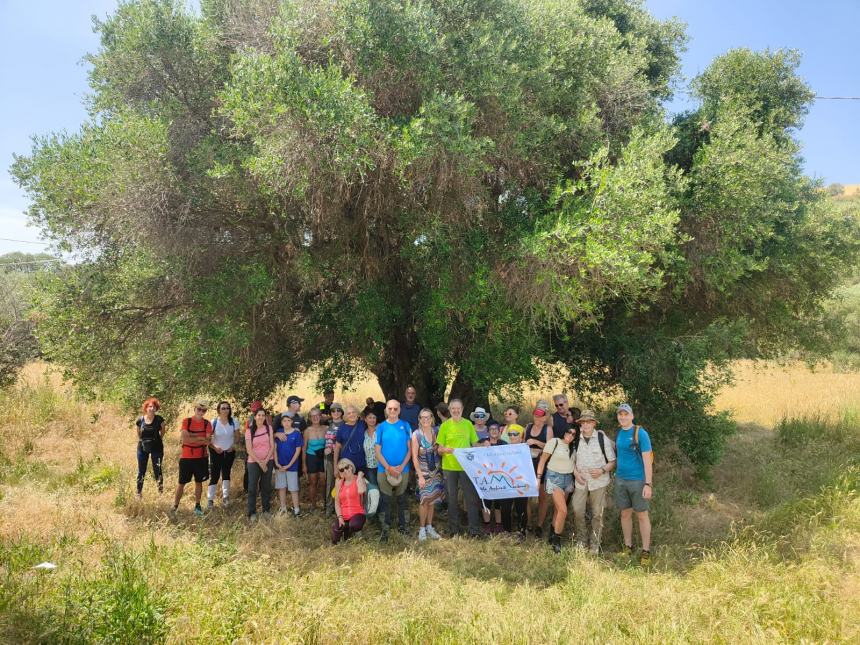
{"type": "Point", "coordinates": [471, 396]}
{"type": "Point", "coordinates": [403, 367]}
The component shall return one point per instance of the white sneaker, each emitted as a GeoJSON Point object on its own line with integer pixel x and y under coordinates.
{"type": "Point", "coordinates": [225, 502]}
{"type": "Point", "coordinates": [422, 534]}
{"type": "Point", "coordinates": [431, 533]}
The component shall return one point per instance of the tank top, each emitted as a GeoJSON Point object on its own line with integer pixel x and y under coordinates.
{"type": "Point", "coordinates": [315, 446]}
{"type": "Point", "coordinates": [350, 500]}
{"type": "Point", "coordinates": [535, 451]}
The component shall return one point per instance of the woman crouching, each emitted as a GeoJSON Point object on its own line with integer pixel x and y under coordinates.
{"type": "Point", "coordinates": [348, 504]}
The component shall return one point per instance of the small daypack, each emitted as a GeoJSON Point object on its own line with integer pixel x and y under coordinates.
{"type": "Point", "coordinates": [635, 442]}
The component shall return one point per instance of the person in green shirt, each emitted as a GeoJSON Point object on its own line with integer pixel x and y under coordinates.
{"type": "Point", "coordinates": [458, 432]}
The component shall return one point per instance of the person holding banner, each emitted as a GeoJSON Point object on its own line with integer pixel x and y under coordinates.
{"type": "Point", "coordinates": [557, 462]}
{"type": "Point", "coordinates": [458, 432]}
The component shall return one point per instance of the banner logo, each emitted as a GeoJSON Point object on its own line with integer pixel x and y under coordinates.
{"type": "Point", "coordinates": [499, 472]}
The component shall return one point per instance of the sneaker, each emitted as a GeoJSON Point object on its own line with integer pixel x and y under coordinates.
{"type": "Point", "coordinates": [252, 517]}
{"type": "Point", "coordinates": [432, 534]}
{"type": "Point", "coordinates": [297, 512]}
{"type": "Point", "coordinates": [626, 553]}
{"type": "Point", "coordinates": [210, 504]}
{"type": "Point", "coordinates": [402, 530]}
{"type": "Point", "coordinates": [645, 558]}
{"type": "Point", "coordinates": [198, 511]}
{"type": "Point", "coordinates": [225, 502]}
{"type": "Point", "coordinates": [422, 534]}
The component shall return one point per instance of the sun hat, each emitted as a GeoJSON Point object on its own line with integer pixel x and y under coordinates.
{"type": "Point", "coordinates": [586, 415]}
{"type": "Point", "coordinates": [479, 413]}
{"type": "Point", "coordinates": [394, 479]}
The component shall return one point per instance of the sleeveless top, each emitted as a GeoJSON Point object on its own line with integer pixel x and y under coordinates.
{"type": "Point", "coordinates": [541, 437]}
{"type": "Point", "coordinates": [315, 446]}
{"type": "Point", "coordinates": [350, 500]}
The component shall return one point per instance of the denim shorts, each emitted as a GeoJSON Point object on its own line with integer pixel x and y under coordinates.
{"type": "Point", "coordinates": [562, 481]}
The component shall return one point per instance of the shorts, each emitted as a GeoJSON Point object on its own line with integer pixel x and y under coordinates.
{"type": "Point", "coordinates": [288, 480]}
{"type": "Point", "coordinates": [560, 481]}
{"type": "Point", "coordinates": [196, 468]}
{"type": "Point", "coordinates": [628, 494]}
{"type": "Point", "coordinates": [316, 463]}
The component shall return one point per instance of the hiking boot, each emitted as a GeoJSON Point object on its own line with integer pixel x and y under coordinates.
{"type": "Point", "coordinates": [198, 511]}
{"type": "Point", "coordinates": [555, 541]}
{"type": "Point", "coordinates": [297, 512]}
{"type": "Point", "coordinates": [432, 534]}
{"type": "Point", "coordinates": [645, 558]}
{"type": "Point", "coordinates": [383, 537]}
{"type": "Point", "coordinates": [252, 517]}
{"type": "Point", "coordinates": [538, 532]}
{"type": "Point", "coordinates": [626, 553]}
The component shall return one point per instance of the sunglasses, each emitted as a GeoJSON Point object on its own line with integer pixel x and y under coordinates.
{"type": "Point", "coordinates": [558, 405]}
{"type": "Point", "coordinates": [514, 434]}
{"type": "Point", "coordinates": [224, 407]}
{"type": "Point", "coordinates": [425, 416]}
{"type": "Point", "coordinates": [344, 469]}
{"type": "Point", "coordinates": [201, 409]}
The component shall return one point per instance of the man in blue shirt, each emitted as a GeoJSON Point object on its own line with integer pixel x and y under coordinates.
{"type": "Point", "coordinates": [349, 442]}
{"type": "Point", "coordinates": [392, 454]}
{"type": "Point", "coordinates": [633, 483]}
{"type": "Point", "coordinates": [409, 409]}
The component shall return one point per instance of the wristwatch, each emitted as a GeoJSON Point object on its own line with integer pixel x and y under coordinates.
{"type": "Point", "coordinates": [648, 484]}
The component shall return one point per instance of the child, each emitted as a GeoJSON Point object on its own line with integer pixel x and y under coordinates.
{"type": "Point", "coordinates": [288, 452]}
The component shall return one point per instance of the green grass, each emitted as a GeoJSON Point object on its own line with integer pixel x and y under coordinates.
{"type": "Point", "coordinates": [765, 552]}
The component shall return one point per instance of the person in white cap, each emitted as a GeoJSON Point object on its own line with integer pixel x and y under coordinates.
{"type": "Point", "coordinates": [634, 481]}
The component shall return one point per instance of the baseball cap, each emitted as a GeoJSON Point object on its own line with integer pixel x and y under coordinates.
{"type": "Point", "coordinates": [336, 406]}
{"type": "Point", "coordinates": [625, 407]}
{"type": "Point", "coordinates": [294, 399]}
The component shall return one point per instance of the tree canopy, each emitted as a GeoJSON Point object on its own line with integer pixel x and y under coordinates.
{"type": "Point", "coordinates": [436, 191]}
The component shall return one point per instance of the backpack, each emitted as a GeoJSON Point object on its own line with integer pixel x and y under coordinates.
{"type": "Point", "coordinates": [186, 425]}
{"type": "Point", "coordinates": [601, 440]}
{"type": "Point", "coordinates": [635, 442]}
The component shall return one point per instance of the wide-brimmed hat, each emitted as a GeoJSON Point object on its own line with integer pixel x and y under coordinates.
{"type": "Point", "coordinates": [478, 411]}
{"type": "Point", "coordinates": [586, 415]}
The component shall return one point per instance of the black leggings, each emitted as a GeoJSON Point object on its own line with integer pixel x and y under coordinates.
{"type": "Point", "coordinates": [220, 465]}
{"type": "Point", "coordinates": [514, 513]}
{"type": "Point", "coordinates": [143, 458]}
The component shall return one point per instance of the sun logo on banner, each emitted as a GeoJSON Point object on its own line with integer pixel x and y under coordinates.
{"type": "Point", "coordinates": [506, 474]}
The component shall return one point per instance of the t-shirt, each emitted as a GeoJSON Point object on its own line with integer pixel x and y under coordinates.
{"type": "Point", "coordinates": [288, 447]}
{"type": "Point", "coordinates": [259, 444]}
{"type": "Point", "coordinates": [409, 413]}
{"type": "Point", "coordinates": [150, 433]}
{"type": "Point", "coordinates": [331, 436]}
{"type": "Point", "coordinates": [354, 449]}
{"type": "Point", "coordinates": [298, 421]}
{"type": "Point", "coordinates": [197, 427]}
{"type": "Point", "coordinates": [561, 459]}
{"type": "Point", "coordinates": [223, 434]}
{"type": "Point", "coordinates": [630, 464]}
{"type": "Point", "coordinates": [455, 434]}
{"type": "Point", "coordinates": [559, 424]}
{"type": "Point", "coordinates": [393, 439]}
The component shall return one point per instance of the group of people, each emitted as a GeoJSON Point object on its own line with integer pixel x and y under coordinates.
{"type": "Point", "coordinates": [361, 463]}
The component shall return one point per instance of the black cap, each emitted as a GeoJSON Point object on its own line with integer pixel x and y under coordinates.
{"type": "Point", "coordinates": [294, 399]}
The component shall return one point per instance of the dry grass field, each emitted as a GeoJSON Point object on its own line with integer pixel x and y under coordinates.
{"type": "Point", "coordinates": [768, 550]}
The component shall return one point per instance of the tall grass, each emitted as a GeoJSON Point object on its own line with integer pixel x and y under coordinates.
{"type": "Point", "coordinates": [768, 552]}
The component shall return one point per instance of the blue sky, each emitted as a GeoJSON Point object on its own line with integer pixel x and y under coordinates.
{"type": "Point", "coordinates": [43, 80]}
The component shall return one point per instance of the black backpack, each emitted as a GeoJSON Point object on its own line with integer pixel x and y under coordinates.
{"type": "Point", "coordinates": [601, 439]}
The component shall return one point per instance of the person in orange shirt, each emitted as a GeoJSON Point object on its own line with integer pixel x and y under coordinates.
{"type": "Point", "coordinates": [196, 433]}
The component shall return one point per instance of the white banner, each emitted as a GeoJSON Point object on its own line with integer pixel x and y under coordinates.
{"type": "Point", "coordinates": [500, 472]}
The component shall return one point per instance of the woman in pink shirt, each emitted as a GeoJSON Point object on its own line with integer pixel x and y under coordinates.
{"type": "Point", "coordinates": [260, 444]}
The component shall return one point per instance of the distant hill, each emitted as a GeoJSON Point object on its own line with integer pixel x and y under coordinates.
{"type": "Point", "coordinates": [849, 191]}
